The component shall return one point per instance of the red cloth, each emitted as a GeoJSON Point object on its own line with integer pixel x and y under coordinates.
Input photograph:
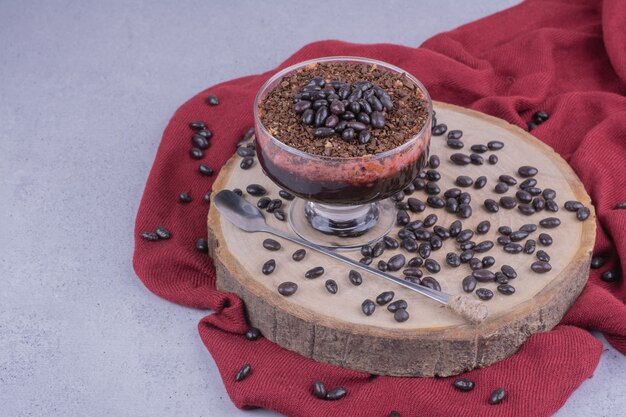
{"type": "Point", "coordinates": [565, 57]}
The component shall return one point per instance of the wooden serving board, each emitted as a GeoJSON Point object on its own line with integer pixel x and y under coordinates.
{"type": "Point", "coordinates": [332, 328]}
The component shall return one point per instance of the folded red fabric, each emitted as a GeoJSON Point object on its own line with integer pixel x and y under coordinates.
{"type": "Point", "coordinates": [565, 57]}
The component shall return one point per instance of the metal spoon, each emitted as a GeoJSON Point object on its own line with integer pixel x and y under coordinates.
{"type": "Point", "coordinates": [249, 218]}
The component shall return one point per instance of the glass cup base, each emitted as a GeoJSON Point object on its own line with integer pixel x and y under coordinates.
{"type": "Point", "coordinates": [341, 227]}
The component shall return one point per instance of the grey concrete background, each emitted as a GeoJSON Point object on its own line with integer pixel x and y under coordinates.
{"type": "Point", "coordinates": [86, 89]}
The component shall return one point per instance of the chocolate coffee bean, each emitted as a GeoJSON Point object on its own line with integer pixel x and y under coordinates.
{"type": "Point", "coordinates": [596, 262]}
{"type": "Point", "coordinates": [435, 202]}
{"type": "Point", "coordinates": [493, 159]}
{"type": "Point", "coordinates": [432, 266]}
{"type": "Point", "coordinates": [331, 286]}
{"type": "Point", "coordinates": [455, 134]}
{"type": "Point", "coordinates": [336, 394]}
{"type": "Point", "coordinates": [413, 272]}
{"type": "Point", "coordinates": [432, 188]}
{"type": "Point", "coordinates": [279, 214]}
{"type": "Point", "coordinates": [453, 260]}
{"type": "Point", "coordinates": [348, 135]}
{"type": "Point", "coordinates": [501, 278]}
{"type": "Point", "coordinates": [434, 161]}
{"type": "Point", "coordinates": [507, 202]}
{"type": "Point", "coordinates": [497, 396]}
{"type": "Point", "coordinates": [396, 262]}
{"type": "Point", "coordinates": [508, 271]}
{"type": "Point", "coordinates": [527, 183]}
{"type": "Point", "coordinates": [463, 384]}
{"type": "Point", "coordinates": [319, 390]}
{"type": "Point", "coordinates": [464, 235]}
{"type": "Point", "coordinates": [268, 267]}
{"type": "Point", "coordinates": [491, 205]}
{"type": "Point", "coordinates": [455, 144]}
{"type": "Point", "coordinates": [390, 243]}
{"type": "Point", "coordinates": [501, 188]}
{"type": "Point", "coordinates": [355, 277]}
{"type": "Point", "coordinates": [484, 294]}
{"type": "Point", "coordinates": [196, 153]}
{"type": "Point", "coordinates": [256, 190]}
{"type": "Point", "coordinates": [573, 205]}
{"type": "Point", "coordinates": [483, 246]}
{"type": "Point", "coordinates": [365, 137]}
{"type": "Point", "coordinates": [583, 214]}
{"type": "Point", "coordinates": [212, 100]}
{"type": "Point", "coordinates": [460, 159]}
{"type": "Point", "coordinates": [243, 373]}
{"type": "Point", "coordinates": [475, 264]}
{"type": "Point", "coordinates": [455, 228]}
{"type": "Point", "coordinates": [540, 267]}
{"type": "Point", "coordinates": [503, 240]}
{"type": "Point", "coordinates": [523, 196]}
{"type": "Point", "coordinates": [415, 262]}
{"type": "Point", "coordinates": [150, 236]}
{"type": "Point", "coordinates": [545, 239]}
{"type": "Point", "coordinates": [526, 209]}
{"type": "Point", "coordinates": [287, 288]}
{"type": "Point", "coordinates": [368, 307]}
{"type": "Point", "coordinates": [552, 206]}
{"type": "Point", "coordinates": [184, 198]}
{"type": "Point", "coordinates": [397, 305]}
{"type": "Point", "coordinates": [415, 205]}
{"type": "Point", "coordinates": [488, 261]}
{"type": "Point", "coordinates": [324, 132]}
{"type": "Point", "coordinates": [253, 333]}
{"type": "Point", "coordinates": [401, 315]}
{"type": "Point", "coordinates": [200, 142]}
{"type": "Point", "coordinates": [378, 249]}
{"type": "Point", "coordinates": [543, 256]}
{"type": "Point", "coordinates": [298, 255]}
{"type": "Point", "coordinates": [385, 297]}
{"type": "Point", "coordinates": [409, 244]}
{"type": "Point", "coordinates": [439, 129]}
{"type": "Point", "coordinates": [505, 230]}
{"type": "Point", "coordinates": [550, 222]}
{"type": "Point", "coordinates": [483, 227]}
{"type": "Point", "coordinates": [518, 235]}
{"type": "Point", "coordinates": [479, 148]}
{"type": "Point", "coordinates": [466, 255]}
{"type": "Point", "coordinates": [377, 119]}
{"type": "Point", "coordinates": [431, 283]}
{"type": "Point", "coordinates": [609, 276]}
{"type": "Point", "coordinates": [464, 181]}
{"type": "Point", "coordinates": [469, 284]}
{"type": "Point", "coordinates": [476, 159]}
{"type": "Point", "coordinates": [527, 171]}
{"type": "Point", "coordinates": [202, 245]}
{"type": "Point", "coordinates": [480, 182]}
{"type": "Point", "coordinates": [530, 246]}
{"type": "Point", "coordinates": [271, 244]}
{"type": "Point", "coordinates": [246, 163]}
{"type": "Point", "coordinates": [540, 117]}
{"type": "Point", "coordinates": [495, 145]}
{"type": "Point", "coordinates": [366, 260]}
{"type": "Point", "coordinates": [506, 289]}
{"type": "Point", "coordinates": [162, 233]}
{"type": "Point", "coordinates": [315, 272]}
{"type": "Point", "coordinates": [507, 179]}
{"type": "Point", "coordinates": [483, 275]}
{"type": "Point", "coordinates": [513, 248]}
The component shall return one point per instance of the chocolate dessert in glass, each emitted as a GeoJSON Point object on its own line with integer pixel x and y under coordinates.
{"type": "Point", "coordinates": [343, 134]}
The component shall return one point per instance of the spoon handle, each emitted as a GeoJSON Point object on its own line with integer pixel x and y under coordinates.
{"type": "Point", "coordinates": [438, 296]}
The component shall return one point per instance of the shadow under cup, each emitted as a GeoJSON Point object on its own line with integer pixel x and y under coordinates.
{"type": "Point", "coordinates": [342, 197]}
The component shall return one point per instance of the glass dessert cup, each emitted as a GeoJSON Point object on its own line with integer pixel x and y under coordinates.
{"type": "Point", "coordinates": [343, 202]}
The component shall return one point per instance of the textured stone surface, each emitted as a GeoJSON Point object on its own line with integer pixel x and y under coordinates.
{"type": "Point", "coordinates": [85, 92]}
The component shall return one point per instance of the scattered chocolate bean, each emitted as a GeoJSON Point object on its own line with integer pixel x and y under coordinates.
{"type": "Point", "coordinates": [279, 214]}
{"type": "Point", "coordinates": [268, 267]}
{"type": "Point", "coordinates": [543, 256]}
{"type": "Point", "coordinates": [415, 262]}
{"type": "Point", "coordinates": [432, 265]}
{"type": "Point", "coordinates": [609, 276]}
{"type": "Point", "coordinates": [530, 246]}
{"type": "Point", "coordinates": [435, 202]}
{"type": "Point", "coordinates": [368, 307]}
{"type": "Point", "coordinates": [508, 271]}
{"type": "Point", "coordinates": [476, 159]}
{"type": "Point", "coordinates": [253, 333]}
{"type": "Point", "coordinates": [550, 222]}
{"type": "Point", "coordinates": [150, 236]}
{"type": "Point", "coordinates": [434, 161]}
{"type": "Point", "coordinates": [212, 100]}
{"type": "Point", "coordinates": [202, 245]}
{"type": "Point", "coordinates": [513, 248]}
{"type": "Point", "coordinates": [483, 275]}
{"type": "Point", "coordinates": [526, 209]}
{"type": "Point", "coordinates": [583, 214]}
{"type": "Point", "coordinates": [315, 272]}
{"type": "Point", "coordinates": [271, 244]}
{"type": "Point", "coordinates": [200, 142]}
{"type": "Point", "coordinates": [475, 264]}
{"type": "Point", "coordinates": [501, 278]}
{"type": "Point", "coordinates": [453, 260]}
{"type": "Point", "coordinates": [573, 205]}
{"type": "Point", "coordinates": [397, 305]}
{"type": "Point", "coordinates": [518, 235]}
{"type": "Point", "coordinates": [256, 190]}
{"type": "Point", "coordinates": [597, 262]}
{"type": "Point", "coordinates": [243, 372]}
{"type": "Point", "coordinates": [507, 179]}
{"type": "Point", "coordinates": [464, 181]}
{"type": "Point", "coordinates": [488, 261]}
{"type": "Point", "coordinates": [331, 286]}
{"type": "Point", "coordinates": [469, 284]}
{"type": "Point", "coordinates": [460, 159]}
{"type": "Point", "coordinates": [246, 163]}
{"type": "Point", "coordinates": [491, 205]}
{"type": "Point", "coordinates": [483, 227]}
{"type": "Point", "coordinates": [463, 384]}
{"type": "Point", "coordinates": [480, 182]}
{"type": "Point", "coordinates": [287, 288]}
{"type": "Point", "coordinates": [184, 198]}
{"type": "Point", "coordinates": [540, 267]}
{"type": "Point", "coordinates": [545, 239]}
{"type": "Point", "coordinates": [402, 218]}
{"type": "Point", "coordinates": [501, 188]}
{"type": "Point", "coordinates": [466, 255]}
{"type": "Point", "coordinates": [366, 260]}
{"type": "Point", "coordinates": [493, 159]}
{"type": "Point", "coordinates": [505, 230]}
{"type": "Point", "coordinates": [385, 297]}
{"type": "Point", "coordinates": [378, 249]}
{"type": "Point", "coordinates": [409, 244]}
{"type": "Point", "coordinates": [431, 283]}
{"type": "Point", "coordinates": [401, 315]}
{"type": "Point", "coordinates": [484, 294]}
{"type": "Point", "coordinates": [540, 117]}
{"type": "Point", "coordinates": [495, 145]}
{"type": "Point", "coordinates": [527, 171]}
{"type": "Point", "coordinates": [336, 394]}
{"type": "Point", "coordinates": [479, 148]}
{"type": "Point", "coordinates": [552, 206]}
{"type": "Point", "coordinates": [196, 153]}
{"type": "Point", "coordinates": [455, 134]}
{"type": "Point", "coordinates": [497, 396]}
{"type": "Point", "coordinates": [439, 129]}
{"type": "Point", "coordinates": [507, 202]}
{"type": "Point", "coordinates": [162, 233]}
{"type": "Point", "coordinates": [455, 144]}
{"type": "Point", "coordinates": [503, 240]}
{"type": "Point", "coordinates": [319, 390]}
{"type": "Point", "coordinates": [483, 246]}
